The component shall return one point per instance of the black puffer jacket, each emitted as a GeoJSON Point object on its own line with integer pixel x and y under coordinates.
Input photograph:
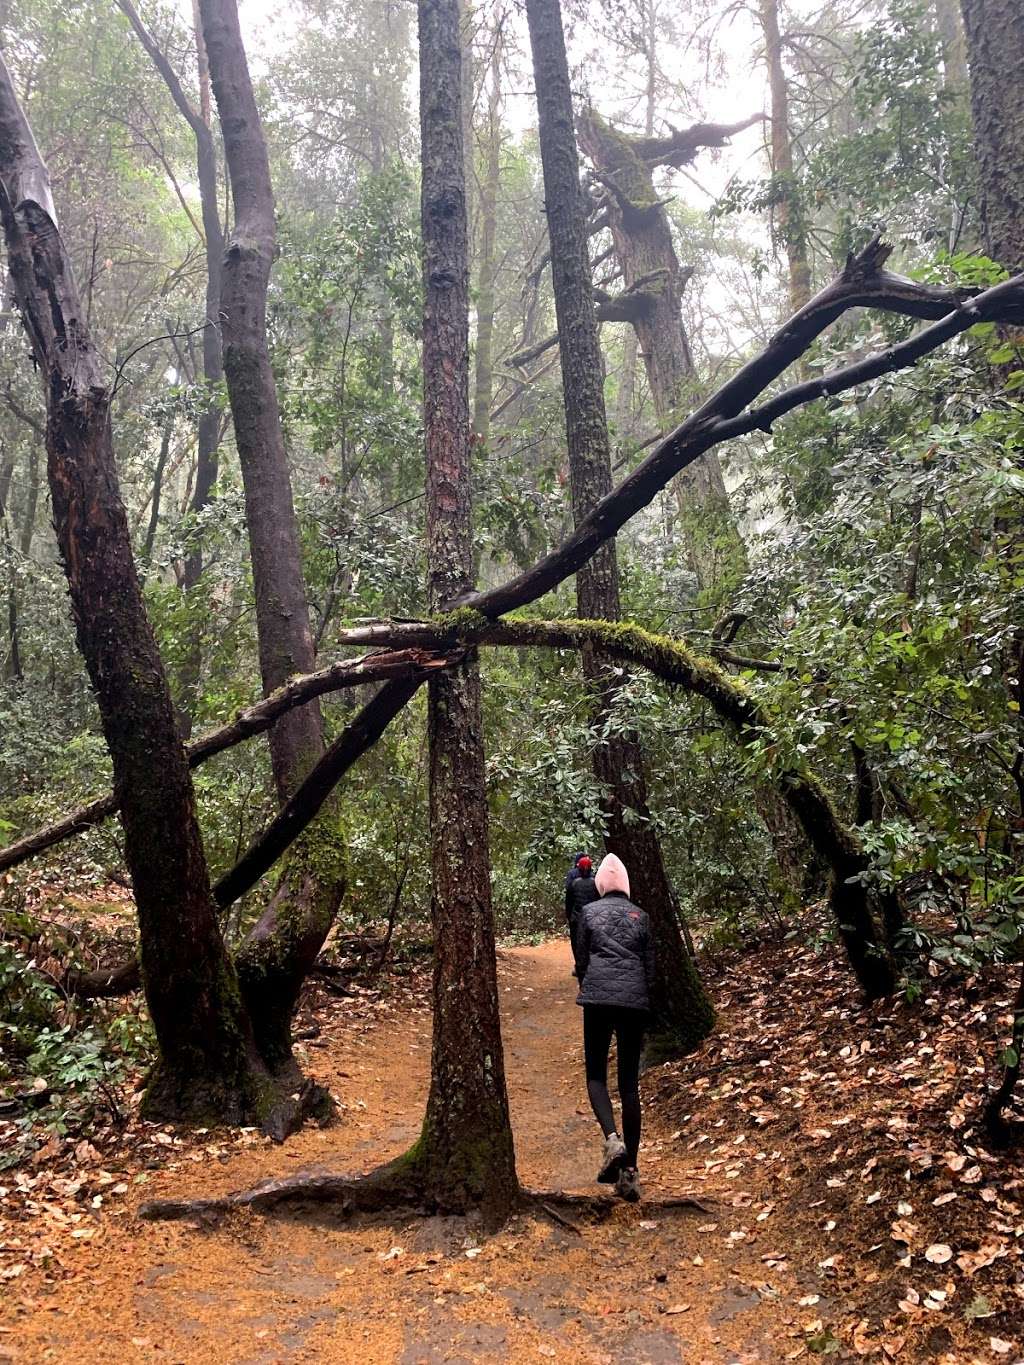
{"type": "Point", "coordinates": [615, 957]}
{"type": "Point", "coordinates": [578, 895]}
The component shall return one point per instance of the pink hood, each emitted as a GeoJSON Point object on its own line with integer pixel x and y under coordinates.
{"type": "Point", "coordinates": [612, 876]}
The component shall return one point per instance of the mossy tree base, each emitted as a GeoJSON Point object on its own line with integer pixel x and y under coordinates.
{"type": "Point", "coordinates": [278, 1105]}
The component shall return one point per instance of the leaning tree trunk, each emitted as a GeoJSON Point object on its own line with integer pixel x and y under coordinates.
{"type": "Point", "coordinates": [281, 949]}
{"type": "Point", "coordinates": [208, 1067]}
{"type": "Point", "coordinates": [465, 1157]}
{"type": "Point", "coordinates": [683, 1011]}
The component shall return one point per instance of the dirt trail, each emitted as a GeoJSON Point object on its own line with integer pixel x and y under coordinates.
{"type": "Point", "coordinates": [642, 1287]}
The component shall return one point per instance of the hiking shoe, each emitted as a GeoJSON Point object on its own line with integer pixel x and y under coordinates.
{"type": "Point", "coordinates": [627, 1186]}
{"type": "Point", "coordinates": [614, 1156]}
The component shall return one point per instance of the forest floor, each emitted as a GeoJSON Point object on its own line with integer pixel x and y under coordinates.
{"type": "Point", "coordinates": [850, 1210]}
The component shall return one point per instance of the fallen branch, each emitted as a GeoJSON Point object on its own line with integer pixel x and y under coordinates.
{"type": "Point", "coordinates": [105, 982]}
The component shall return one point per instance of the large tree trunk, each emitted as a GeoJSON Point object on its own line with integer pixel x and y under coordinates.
{"type": "Point", "coordinates": [278, 954]}
{"type": "Point", "coordinates": [465, 1155]}
{"type": "Point", "coordinates": [995, 52]}
{"type": "Point", "coordinates": [789, 223]}
{"type": "Point", "coordinates": [208, 1068]}
{"type": "Point", "coordinates": [683, 1011]}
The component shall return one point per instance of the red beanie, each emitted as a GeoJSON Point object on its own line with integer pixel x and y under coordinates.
{"type": "Point", "coordinates": [584, 865]}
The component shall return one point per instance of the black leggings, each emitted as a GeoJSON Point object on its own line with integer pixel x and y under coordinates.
{"type": "Point", "coordinates": [599, 1023]}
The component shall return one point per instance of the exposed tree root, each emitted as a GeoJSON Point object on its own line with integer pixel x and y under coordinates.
{"type": "Point", "coordinates": [389, 1187]}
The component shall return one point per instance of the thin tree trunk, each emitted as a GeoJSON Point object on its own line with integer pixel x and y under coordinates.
{"type": "Point", "coordinates": [483, 386]}
{"type": "Point", "coordinates": [28, 516]}
{"type": "Point", "coordinates": [788, 213]}
{"type": "Point", "coordinates": [154, 503]}
{"type": "Point", "coordinates": [208, 1067]}
{"type": "Point", "coordinates": [626, 391]}
{"type": "Point", "coordinates": [12, 665]}
{"type": "Point", "coordinates": [209, 427]}
{"type": "Point", "coordinates": [465, 1155]}
{"type": "Point", "coordinates": [684, 1013]}
{"type": "Point", "coordinates": [282, 947]}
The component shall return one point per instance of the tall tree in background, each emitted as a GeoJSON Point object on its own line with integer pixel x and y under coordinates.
{"type": "Point", "coordinates": [465, 1155]}
{"type": "Point", "coordinates": [640, 229]}
{"type": "Point", "coordinates": [486, 294]}
{"type": "Point", "coordinates": [208, 1067]}
{"type": "Point", "coordinates": [209, 425]}
{"type": "Point", "coordinates": [789, 224]}
{"type": "Point", "coordinates": [682, 1008]}
{"type": "Point", "coordinates": [949, 23]}
{"type": "Point", "coordinates": [280, 950]}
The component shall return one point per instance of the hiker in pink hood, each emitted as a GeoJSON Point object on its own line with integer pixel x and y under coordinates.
{"type": "Point", "coordinates": [615, 967]}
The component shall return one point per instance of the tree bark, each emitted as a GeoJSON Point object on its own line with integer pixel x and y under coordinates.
{"type": "Point", "coordinates": [681, 1007]}
{"type": "Point", "coordinates": [208, 1067]}
{"type": "Point", "coordinates": [995, 53]}
{"type": "Point", "coordinates": [282, 947]}
{"type": "Point", "coordinates": [789, 222]}
{"type": "Point", "coordinates": [465, 1156]}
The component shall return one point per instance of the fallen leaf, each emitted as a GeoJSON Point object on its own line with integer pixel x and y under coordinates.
{"type": "Point", "coordinates": [939, 1253]}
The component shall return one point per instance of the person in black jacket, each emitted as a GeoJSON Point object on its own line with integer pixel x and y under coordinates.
{"type": "Point", "coordinates": [574, 871]}
{"type": "Point", "coordinates": [579, 892]}
{"type": "Point", "coordinates": [615, 966]}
